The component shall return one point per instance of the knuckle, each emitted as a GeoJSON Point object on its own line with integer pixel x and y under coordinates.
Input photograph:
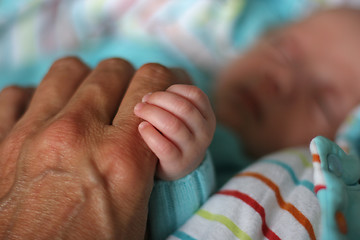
{"type": "Point", "coordinates": [166, 149]}
{"type": "Point", "coordinates": [151, 71]}
{"type": "Point", "coordinates": [185, 108]}
{"type": "Point", "coordinates": [61, 135]}
{"type": "Point", "coordinates": [12, 91]}
{"type": "Point", "coordinates": [67, 63]}
{"type": "Point", "coordinates": [196, 94]}
{"type": "Point", "coordinates": [96, 90]}
{"type": "Point", "coordinates": [154, 68]}
{"type": "Point", "coordinates": [115, 63]}
{"type": "Point", "coordinates": [174, 126]}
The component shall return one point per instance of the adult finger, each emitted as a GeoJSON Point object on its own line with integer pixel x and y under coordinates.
{"type": "Point", "coordinates": [124, 130]}
{"type": "Point", "coordinates": [13, 103]}
{"type": "Point", "coordinates": [127, 158]}
{"type": "Point", "coordinates": [149, 78]}
{"type": "Point", "coordinates": [100, 94]}
{"type": "Point", "coordinates": [57, 87]}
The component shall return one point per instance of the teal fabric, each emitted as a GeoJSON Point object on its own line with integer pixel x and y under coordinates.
{"type": "Point", "coordinates": [9, 8]}
{"type": "Point", "coordinates": [173, 202]}
{"type": "Point", "coordinates": [261, 15]}
{"type": "Point", "coordinates": [341, 197]}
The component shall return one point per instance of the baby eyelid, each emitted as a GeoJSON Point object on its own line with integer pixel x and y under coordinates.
{"type": "Point", "coordinates": [287, 47]}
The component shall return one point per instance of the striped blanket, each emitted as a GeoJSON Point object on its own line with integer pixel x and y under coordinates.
{"type": "Point", "coordinates": [299, 193]}
{"type": "Point", "coordinates": [273, 198]}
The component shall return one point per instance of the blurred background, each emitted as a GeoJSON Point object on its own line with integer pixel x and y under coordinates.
{"type": "Point", "coordinates": [34, 33]}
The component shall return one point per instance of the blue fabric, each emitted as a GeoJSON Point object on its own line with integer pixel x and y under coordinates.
{"type": "Point", "coordinates": [261, 15]}
{"type": "Point", "coordinates": [173, 202]}
{"type": "Point", "coordinates": [183, 236]}
{"type": "Point", "coordinates": [340, 200]}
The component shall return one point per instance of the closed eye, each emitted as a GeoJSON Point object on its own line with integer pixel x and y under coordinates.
{"type": "Point", "coordinates": [288, 48]}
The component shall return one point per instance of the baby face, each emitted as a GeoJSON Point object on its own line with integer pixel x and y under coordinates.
{"type": "Point", "coordinates": [296, 83]}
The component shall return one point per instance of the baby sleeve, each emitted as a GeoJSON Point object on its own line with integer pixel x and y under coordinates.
{"type": "Point", "coordinates": [173, 202]}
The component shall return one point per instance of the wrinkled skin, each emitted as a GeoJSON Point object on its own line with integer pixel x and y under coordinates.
{"type": "Point", "coordinates": [298, 82]}
{"type": "Point", "coordinates": [73, 165]}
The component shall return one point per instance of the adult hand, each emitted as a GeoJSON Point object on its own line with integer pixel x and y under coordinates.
{"type": "Point", "coordinates": [73, 166]}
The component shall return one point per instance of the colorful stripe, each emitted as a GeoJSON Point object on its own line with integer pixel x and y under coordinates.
{"type": "Point", "coordinates": [318, 174]}
{"type": "Point", "coordinates": [257, 207]}
{"type": "Point", "coordinates": [292, 174]}
{"type": "Point", "coordinates": [226, 222]}
{"type": "Point", "coordinates": [284, 205]}
{"type": "Point", "coordinates": [319, 179]}
{"type": "Point", "coordinates": [316, 158]}
{"type": "Point", "coordinates": [319, 187]}
{"type": "Point", "coordinates": [183, 236]}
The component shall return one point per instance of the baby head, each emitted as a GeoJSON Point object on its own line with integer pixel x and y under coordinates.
{"type": "Point", "coordinates": [297, 82]}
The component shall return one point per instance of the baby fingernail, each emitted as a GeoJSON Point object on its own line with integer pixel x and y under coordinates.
{"type": "Point", "coordinates": [142, 125]}
{"type": "Point", "coordinates": [138, 107]}
{"type": "Point", "coordinates": [146, 97]}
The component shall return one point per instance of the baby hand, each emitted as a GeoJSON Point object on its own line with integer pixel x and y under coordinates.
{"type": "Point", "coordinates": [179, 126]}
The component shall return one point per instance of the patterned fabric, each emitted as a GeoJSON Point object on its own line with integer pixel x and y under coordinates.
{"type": "Point", "coordinates": [273, 199]}
{"type": "Point", "coordinates": [47, 29]}
{"type": "Point", "coordinates": [67, 25]}
{"type": "Point", "coordinates": [339, 190]}
{"type": "Point", "coordinates": [37, 28]}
